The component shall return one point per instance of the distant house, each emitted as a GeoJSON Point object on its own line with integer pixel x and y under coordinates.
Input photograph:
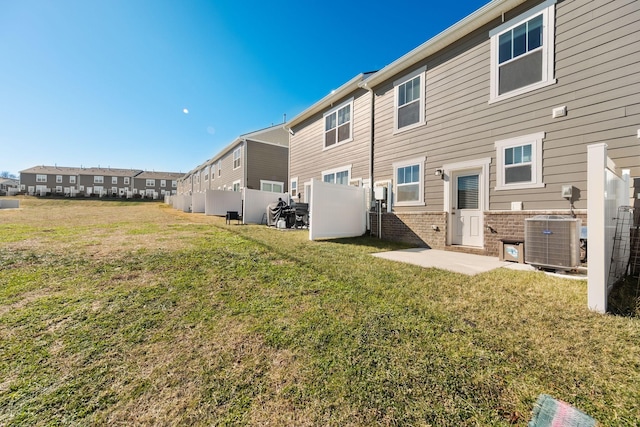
{"type": "Point", "coordinates": [331, 140]}
{"type": "Point", "coordinates": [95, 182]}
{"type": "Point", "coordinates": [8, 185]}
{"type": "Point", "coordinates": [481, 126]}
{"type": "Point", "coordinates": [256, 160]}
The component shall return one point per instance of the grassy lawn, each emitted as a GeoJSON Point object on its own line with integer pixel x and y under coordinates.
{"type": "Point", "coordinates": [118, 313]}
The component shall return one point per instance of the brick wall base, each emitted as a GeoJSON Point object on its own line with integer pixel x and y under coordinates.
{"type": "Point", "coordinates": [429, 229]}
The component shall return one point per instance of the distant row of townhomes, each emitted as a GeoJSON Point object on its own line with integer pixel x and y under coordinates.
{"type": "Point", "coordinates": [97, 182]}
{"type": "Point", "coordinates": [486, 124]}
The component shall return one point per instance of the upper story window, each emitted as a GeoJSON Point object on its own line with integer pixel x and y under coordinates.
{"type": "Point", "coordinates": [409, 100]}
{"type": "Point", "coordinates": [522, 52]}
{"type": "Point", "coordinates": [126, 180]}
{"type": "Point", "coordinates": [174, 184]}
{"type": "Point", "coordinates": [163, 183]}
{"type": "Point", "coordinates": [41, 178]}
{"type": "Point", "coordinates": [72, 179]}
{"type": "Point", "coordinates": [338, 175]}
{"type": "Point", "coordinates": [58, 179]}
{"type": "Point", "coordinates": [151, 183]}
{"type": "Point", "coordinates": [519, 162]}
{"type": "Point", "coordinates": [114, 179]}
{"type": "Point", "coordinates": [409, 182]}
{"type": "Point", "coordinates": [237, 153]}
{"type": "Point", "coordinates": [337, 124]}
{"type": "Point", "coordinates": [97, 179]}
{"type": "Point", "coordinates": [219, 167]}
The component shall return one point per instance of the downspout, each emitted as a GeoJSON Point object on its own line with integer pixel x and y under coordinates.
{"type": "Point", "coordinates": [364, 85]}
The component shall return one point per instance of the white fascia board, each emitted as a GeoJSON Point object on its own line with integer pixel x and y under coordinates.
{"type": "Point", "coordinates": [477, 19]}
{"type": "Point", "coordinates": [328, 100]}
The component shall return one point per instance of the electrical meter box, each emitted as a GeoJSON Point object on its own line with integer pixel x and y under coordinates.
{"type": "Point", "coordinates": [380, 193]}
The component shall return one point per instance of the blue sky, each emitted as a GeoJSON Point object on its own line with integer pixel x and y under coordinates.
{"type": "Point", "coordinates": [165, 84]}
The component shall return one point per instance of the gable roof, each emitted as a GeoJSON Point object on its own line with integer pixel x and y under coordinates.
{"type": "Point", "coordinates": [159, 175]}
{"type": "Point", "coordinates": [330, 99]}
{"type": "Point", "coordinates": [64, 170]}
{"type": "Point", "coordinates": [492, 10]}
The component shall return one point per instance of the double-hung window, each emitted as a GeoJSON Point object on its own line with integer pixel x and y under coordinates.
{"type": "Point", "coordinates": [522, 53]}
{"type": "Point", "coordinates": [150, 183]}
{"type": "Point", "coordinates": [409, 185]}
{"type": "Point", "coordinates": [114, 180]}
{"type": "Point", "coordinates": [409, 100]}
{"type": "Point", "coordinates": [271, 186]}
{"type": "Point", "coordinates": [72, 179]}
{"type": "Point", "coordinates": [338, 124]}
{"type": "Point", "coordinates": [41, 178]}
{"type": "Point", "coordinates": [97, 179]}
{"type": "Point", "coordinates": [294, 187]}
{"type": "Point", "coordinates": [58, 179]}
{"type": "Point", "coordinates": [519, 162]}
{"type": "Point", "coordinates": [219, 167]}
{"type": "Point", "coordinates": [237, 153]}
{"type": "Point", "coordinates": [337, 176]}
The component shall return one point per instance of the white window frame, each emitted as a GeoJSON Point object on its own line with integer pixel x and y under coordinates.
{"type": "Point", "coordinates": [536, 162]}
{"type": "Point", "coordinates": [421, 73]}
{"type": "Point", "coordinates": [419, 161]}
{"type": "Point", "coordinates": [98, 179]}
{"type": "Point", "coordinates": [272, 183]}
{"type": "Point", "coordinates": [114, 190]}
{"type": "Point", "coordinates": [126, 180]}
{"type": "Point", "coordinates": [334, 171]}
{"type": "Point", "coordinates": [293, 187]}
{"type": "Point", "coordinates": [150, 182]}
{"type": "Point", "coordinates": [349, 103]}
{"type": "Point", "coordinates": [163, 183]}
{"type": "Point", "coordinates": [237, 158]}
{"type": "Point", "coordinates": [547, 10]}
{"type": "Point", "coordinates": [72, 179]}
{"type": "Point", "coordinates": [219, 167]}
{"type": "Point", "coordinates": [114, 180]}
{"type": "Point", "coordinates": [41, 178]}
{"type": "Point", "coordinates": [58, 188]}
{"type": "Point", "coordinates": [236, 186]}
{"type": "Point", "coordinates": [58, 179]}
{"type": "Point", "coordinates": [174, 184]}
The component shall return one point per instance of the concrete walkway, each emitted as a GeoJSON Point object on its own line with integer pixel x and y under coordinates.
{"type": "Point", "coordinates": [452, 261]}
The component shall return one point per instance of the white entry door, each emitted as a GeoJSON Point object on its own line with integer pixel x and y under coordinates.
{"type": "Point", "coordinates": [466, 209]}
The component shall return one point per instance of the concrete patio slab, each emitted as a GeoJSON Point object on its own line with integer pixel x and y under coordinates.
{"type": "Point", "coordinates": [452, 261]}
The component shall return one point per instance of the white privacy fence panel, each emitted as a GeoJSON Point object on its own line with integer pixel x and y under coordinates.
{"type": "Point", "coordinates": [336, 211]}
{"type": "Point", "coordinates": [256, 202]}
{"type": "Point", "coordinates": [198, 202]}
{"type": "Point", "coordinates": [607, 190]}
{"type": "Point", "coordinates": [218, 202]}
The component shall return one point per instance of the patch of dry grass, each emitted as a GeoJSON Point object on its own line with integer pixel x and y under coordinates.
{"type": "Point", "coordinates": [118, 313]}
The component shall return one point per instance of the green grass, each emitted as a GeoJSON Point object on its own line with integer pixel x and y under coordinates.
{"type": "Point", "coordinates": [178, 319]}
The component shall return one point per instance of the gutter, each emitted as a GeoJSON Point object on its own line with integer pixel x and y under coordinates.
{"type": "Point", "coordinates": [477, 19]}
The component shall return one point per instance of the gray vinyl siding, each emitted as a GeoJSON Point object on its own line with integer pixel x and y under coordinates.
{"type": "Point", "coordinates": [597, 58]}
{"type": "Point", "coordinates": [266, 162]}
{"type": "Point", "coordinates": [309, 158]}
{"type": "Point", "coordinates": [225, 180]}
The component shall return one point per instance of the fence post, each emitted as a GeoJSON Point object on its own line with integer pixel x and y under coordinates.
{"type": "Point", "coordinates": [596, 181]}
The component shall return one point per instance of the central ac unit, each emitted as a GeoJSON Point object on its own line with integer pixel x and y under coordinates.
{"type": "Point", "coordinates": [552, 241]}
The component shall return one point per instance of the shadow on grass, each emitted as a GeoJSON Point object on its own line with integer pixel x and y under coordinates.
{"type": "Point", "coordinates": [372, 242]}
{"type": "Point", "coordinates": [624, 299]}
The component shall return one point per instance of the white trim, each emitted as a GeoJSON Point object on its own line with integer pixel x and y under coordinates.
{"type": "Point", "coordinates": [420, 72]}
{"type": "Point", "coordinates": [536, 140]}
{"type": "Point", "coordinates": [420, 161]}
{"type": "Point", "coordinates": [294, 179]}
{"type": "Point", "coordinates": [272, 183]}
{"type": "Point", "coordinates": [239, 159]}
{"type": "Point", "coordinates": [234, 183]}
{"type": "Point", "coordinates": [351, 122]}
{"type": "Point", "coordinates": [547, 10]}
{"type": "Point", "coordinates": [336, 170]}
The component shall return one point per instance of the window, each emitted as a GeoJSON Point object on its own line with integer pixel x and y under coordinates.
{"type": "Point", "coordinates": [151, 183]}
{"type": "Point", "coordinates": [114, 180]}
{"type": "Point", "coordinates": [409, 100]}
{"type": "Point", "coordinates": [72, 179]}
{"type": "Point", "coordinates": [236, 157]}
{"type": "Point", "coordinates": [337, 125]}
{"type": "Point", "coordinates": [219, 167]}
{"type": "Point", "coordinates": [519, 162]}
{"type": "Point", "coordinates": [126, 180]}
{"type": "Point", "coordinates": [41, 178]}
{"type": "Point", "coordinates": [114, 190]}
{"type": "Point", "coordinates": [163, 182]}
{"type": "Point", "coordinates": [58, 189]}
{"type": "Point", "coordinates": [213, 172]}
{"type": "Point", "coordinates": [174, 184]}
{"type": "Point", "coordinates": [294, 187]}
{"type": "Point", "coordinates": [409, 182]}
{"type": "Point", "coordinates": [522, 52]}
{"type": "Point", "coordinates": [236, 186]}
{"type": "Point", "coordinates": [273, 186]}
{"type": "Point", "coordinates": [98, 179]}
{"type": "Point", "coordinates": [337, 176]}
{"type": "Point", "coordinates": [58, 179]}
